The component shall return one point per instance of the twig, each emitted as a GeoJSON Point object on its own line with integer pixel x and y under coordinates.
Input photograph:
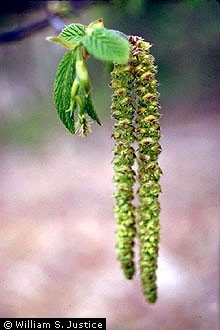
{"type": "Point", "coordinates": [22, 32]}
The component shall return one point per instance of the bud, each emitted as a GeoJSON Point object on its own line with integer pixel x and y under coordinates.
{"type": "Point", "coordinates": [74, 89]}
{"type": "Point", "coordinates": [94, 25]}
{"type": "Point", "coordinates": [83, 76]}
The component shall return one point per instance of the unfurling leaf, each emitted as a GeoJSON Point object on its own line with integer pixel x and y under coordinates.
{"type": "Point", "coordinates": [90, 109]}
{"type": "Point", "coordinates": [73, 33]}
{"type": "Point", "coordinates": [94, 25]}
{"type": "Point", "coordinates": [62, 42]}
{"type": "Point", "coordinates": [62, 90]}
{"type": "Point", "coordinates": [107, 46]}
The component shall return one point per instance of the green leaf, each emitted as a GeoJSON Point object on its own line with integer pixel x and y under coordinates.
{"type": "Point", "coordinates": [90, 109]}
{"type": "Point", "coordinates": [86, 105]}
{"type": "Point", "coordinates": [107, 46]}
{"type": "Point", "coordinates": [62, 42]}
{"type": "Point", "coordinates": [73, 33]}
{"type": "Point", "coordinates": [62, 90]}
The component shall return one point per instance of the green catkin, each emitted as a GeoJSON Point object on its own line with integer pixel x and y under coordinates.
{"type": "Point", "coordinates": [135, 108]}
{"type": "Point", "coordinates": [123, 160]}
{"type": "Point", "coordinates": [149, 172]}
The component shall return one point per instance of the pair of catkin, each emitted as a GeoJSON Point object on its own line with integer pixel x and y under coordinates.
{"type": "Point", "coordinates": [135, 109]}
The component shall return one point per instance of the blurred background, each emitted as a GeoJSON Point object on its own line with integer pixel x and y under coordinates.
{"type": "Point", "coordinates": [57, 232]}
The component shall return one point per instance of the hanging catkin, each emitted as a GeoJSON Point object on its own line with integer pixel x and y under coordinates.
{"type": "Point", "coordinates": [135, 108]}
{"type": "Point", "coordinates": [149, 172]}
{"type": "Point", "coordinates": [124, 155]}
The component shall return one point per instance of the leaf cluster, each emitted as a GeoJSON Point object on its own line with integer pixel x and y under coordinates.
{"type": "Point", "coordinates": [72, 87]}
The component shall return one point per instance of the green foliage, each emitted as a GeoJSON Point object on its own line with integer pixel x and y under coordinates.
{"type": "Point", "coordinates": [62, 90]}
{"type": "Point", "coordinates": [72, 87]}
{"type": "Point", "coordinates": [90, 109]}
{"type": "Point", "coordinates": [107, 46]}
{"type": "Point", "coordinates": [73, 33]}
